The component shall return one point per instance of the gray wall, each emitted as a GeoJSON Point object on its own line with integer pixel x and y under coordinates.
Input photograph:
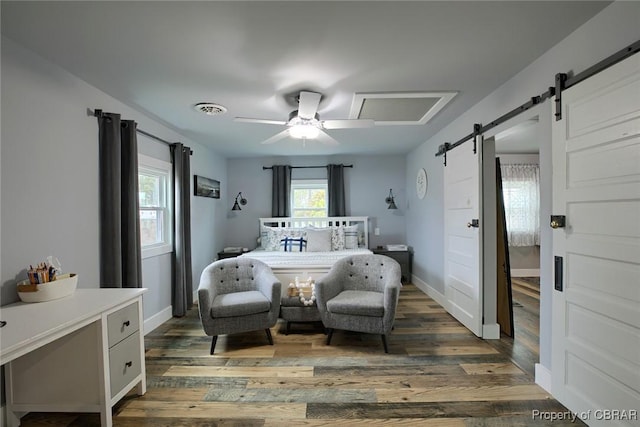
{"type": "Point", "coordinates": [208, 216]}
{"type": "Point", "coordinates": [609, 31]}
{"type": "Point", "coordinates": [366, 187]}
{"type": "Point", "coordinates": [49, 178]}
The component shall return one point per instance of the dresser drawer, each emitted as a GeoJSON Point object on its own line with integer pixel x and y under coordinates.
{"type": "Point", "coordinates": [122, 323]}
{"type": "Point", "coordinates": [124, 362]}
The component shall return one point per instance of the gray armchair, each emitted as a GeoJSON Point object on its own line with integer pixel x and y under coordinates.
{"type": "Point", "coordinates": [360, 293]}
{"type": "Point", "coordinates": [238, 295]}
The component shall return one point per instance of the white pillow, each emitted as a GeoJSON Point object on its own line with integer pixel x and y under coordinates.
{"type": "Point", "coordinates": [337, 236]}
{"type": "Point", "coordinates": [319, 240]}
{"type": "Point", "coordinates": [351, 237]}
{"type": "Point", "coordinates": [269, 238]}
{"type": "Point", "coordinates": [337, 239]}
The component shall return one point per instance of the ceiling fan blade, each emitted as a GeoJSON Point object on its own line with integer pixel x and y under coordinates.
{"type": "Point", "coordinates": [347, 124]}
{"type": "Point", "coordinates": [308, 104]}
{"type": "Point", "coordinates": [327, 139]}
{"type": "Point", "coordinates": [268, 122]}
{"type": "Point", "coordinates": [277, 137]}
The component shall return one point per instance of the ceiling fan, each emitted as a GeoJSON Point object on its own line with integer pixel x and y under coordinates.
{"type": "Point", "coordinates": [304, 123]}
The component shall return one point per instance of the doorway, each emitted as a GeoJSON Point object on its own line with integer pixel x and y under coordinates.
{"type": "Point", "coordinates": [522, 147]}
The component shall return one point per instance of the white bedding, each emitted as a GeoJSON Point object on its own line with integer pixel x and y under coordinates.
{"type": "Point", "coordinates": [301, 260]}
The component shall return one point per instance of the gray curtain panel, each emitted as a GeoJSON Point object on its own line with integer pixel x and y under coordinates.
{"type": "Point", "coordinates": [281, 190]}
{"type": "Point", "coordinates": [120, 258]}
{"type": "Point", "coordinates": [335, 182]}
{"type": "Point", "coordinates": [182, 283]}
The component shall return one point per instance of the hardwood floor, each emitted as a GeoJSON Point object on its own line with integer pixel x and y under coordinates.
{"type": "Point", "coordinates": [437, 374]}
{"type": "Point", "coordinates": [524, 347]}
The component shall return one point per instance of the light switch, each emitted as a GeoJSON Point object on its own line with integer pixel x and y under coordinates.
{"type": "Point", "coordinates": [376, 231]}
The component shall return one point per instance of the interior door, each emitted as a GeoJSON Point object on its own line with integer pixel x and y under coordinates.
{"type": "Point", "coordinates": [504, 295]}
{"type": "Point", "coordinates": [596, 304]}
{"type": "Point", "coordinates": [463, 235]}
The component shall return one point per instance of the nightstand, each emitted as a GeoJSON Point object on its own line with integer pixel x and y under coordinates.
{"type": "Point", "coordinates": [404, 258]}
{"type": "Point", "coordinates": [223, 255]}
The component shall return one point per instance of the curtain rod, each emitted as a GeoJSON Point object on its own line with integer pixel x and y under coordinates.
{"type": "Point", "coordinates": [98, 113]}
{"type": "Point", "coordinates": [304, 167]}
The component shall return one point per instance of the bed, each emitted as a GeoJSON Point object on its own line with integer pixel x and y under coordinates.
{"type": "Point", "coordinates": [297, 247]}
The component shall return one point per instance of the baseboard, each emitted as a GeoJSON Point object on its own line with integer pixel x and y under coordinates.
{"type": "Point", "coordinates": [491, 331]}
{"type": "Point", "coordinates": [157, 319]}
{"type": "Point", "coordinates": [543, 377]}
{"type": "Point", "coordinates": [525, 272]}
{"type": "Point", "coordinates": [433, 293]}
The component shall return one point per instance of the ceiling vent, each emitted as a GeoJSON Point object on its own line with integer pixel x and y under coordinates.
{"type": "Point", "coordinates": [408, 108]}
{"type": "Point", "coordinates": [210, 109]}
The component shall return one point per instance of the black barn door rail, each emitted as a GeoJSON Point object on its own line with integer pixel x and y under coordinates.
{"type": "Point", "coordinates": [562, 82]}
{"type": "Point", "coordinates": [478, 129]}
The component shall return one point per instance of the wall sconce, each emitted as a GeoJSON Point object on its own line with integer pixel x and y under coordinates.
{"type": "Point", "coordinates": [390, 201]}
{"type": "Point", "coordinates": [243, 201]}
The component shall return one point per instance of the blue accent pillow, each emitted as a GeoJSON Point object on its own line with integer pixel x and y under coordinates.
{"type": "Point", "coordinates": [291, 244]}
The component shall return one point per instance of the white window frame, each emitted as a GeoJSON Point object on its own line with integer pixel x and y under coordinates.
{"type": "Point", "coordinates": [297, 184]}
{"type": "Point", "coordinates": [159, 167]}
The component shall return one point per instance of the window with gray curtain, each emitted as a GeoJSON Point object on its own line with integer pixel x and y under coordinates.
{"type": "Point", "coordinates": [120, 258]}
{"type": "Point", "coordinates": [335, 181]}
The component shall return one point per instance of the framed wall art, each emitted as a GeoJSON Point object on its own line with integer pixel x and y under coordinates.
{"type": "Point", "coordinates": [206, 187]}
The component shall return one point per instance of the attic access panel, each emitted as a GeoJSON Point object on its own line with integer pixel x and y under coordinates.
{"type": "Point", "coordinates": [415, 108]}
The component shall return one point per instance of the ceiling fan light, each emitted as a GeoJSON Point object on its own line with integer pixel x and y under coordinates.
{"type": "Point", "coordinates": [304, 131]}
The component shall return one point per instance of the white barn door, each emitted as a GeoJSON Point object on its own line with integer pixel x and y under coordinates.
{"type": "Point", "coordinates": [596, 184]}
{"type": "Point", "coordinates": [462, 235]}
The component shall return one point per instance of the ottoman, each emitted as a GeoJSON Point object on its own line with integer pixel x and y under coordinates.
{"type": "Point", "coordinates": [294, 311]}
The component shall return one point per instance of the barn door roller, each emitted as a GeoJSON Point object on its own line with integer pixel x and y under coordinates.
{"type": "Point", "coordinates": [477, 129]}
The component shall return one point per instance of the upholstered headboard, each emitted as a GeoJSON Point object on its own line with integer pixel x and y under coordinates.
{"type": "Point", "coordinates": [361, 221]}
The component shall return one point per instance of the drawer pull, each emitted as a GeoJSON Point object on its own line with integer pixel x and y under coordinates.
{"type": "Point", "coordinates": [127, 323]}
{"type": "Point", "coordinates": [128, 364]}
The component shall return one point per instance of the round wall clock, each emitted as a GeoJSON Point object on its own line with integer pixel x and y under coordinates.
{"type": "Point", "coordinates": [421, 183]}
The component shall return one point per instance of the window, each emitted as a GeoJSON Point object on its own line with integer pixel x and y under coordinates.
{"type": "Point", "coordinates": [309, 198]}
{"type": "Point", "coordinates": [154, 185]}
{"type": "Point", "coordinates": [520, 190]}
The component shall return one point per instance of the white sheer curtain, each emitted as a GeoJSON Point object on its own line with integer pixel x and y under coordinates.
{"type": "Point", "coordinates": [521, 191]}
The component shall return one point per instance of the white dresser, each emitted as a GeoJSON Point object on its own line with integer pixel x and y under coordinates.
{"type": "Point", "coordinates": [80, 353]}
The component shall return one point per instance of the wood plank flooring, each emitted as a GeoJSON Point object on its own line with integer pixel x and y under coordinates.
{"type": "Point", "coordinates": [524, 347]}
{"type": "Point", "coordinates": [437, 374]}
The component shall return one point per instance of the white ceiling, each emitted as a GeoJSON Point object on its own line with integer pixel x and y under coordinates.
{"type": "Point", "coordinates": [522, 138]}
{"type": "Point", "coordinates": [251, 57]}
